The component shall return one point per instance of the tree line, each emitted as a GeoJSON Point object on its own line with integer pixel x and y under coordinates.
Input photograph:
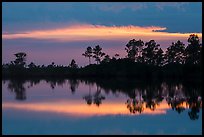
{"type": "Point", "coordinates": [140, 56]}
{"type": "Point", "coordinates": [151, 53]}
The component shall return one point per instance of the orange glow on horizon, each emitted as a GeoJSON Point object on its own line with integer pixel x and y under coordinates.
{"type": "Point", "coordinates": [79, 109]}
{"type": "Point", "coordinates": [85, 32]}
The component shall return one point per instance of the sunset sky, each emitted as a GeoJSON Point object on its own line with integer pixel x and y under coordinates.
{"type": "Point", "coordinates": [58, 32]}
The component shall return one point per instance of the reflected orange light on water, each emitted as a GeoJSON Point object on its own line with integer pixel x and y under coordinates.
{"type": "Point", "coordinates": [80, 109]}
{"type": "Point", "coordinates": [88, 32]}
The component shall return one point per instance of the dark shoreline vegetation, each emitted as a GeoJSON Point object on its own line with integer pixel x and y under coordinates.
{"type": "Point", "coordinates": [143, 61]}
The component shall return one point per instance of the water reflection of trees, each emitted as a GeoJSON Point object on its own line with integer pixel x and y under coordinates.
{"type": "Point", "coordinates": [88, 97]}
{"type": "Point", "coordinates": [74, 83]}
{"type": "Point", "coordinates": [141, 95]}
{"type": "Point", "coordinates": [55, 82]}
{"type": "Point", "coordinates": [149, 95]}
{"type": "Point", "coordinates": [17, 86]}
{"type": "Point", "coordinates": [95, 98]}
{"type": "Point", "coordinates": [135, 104]}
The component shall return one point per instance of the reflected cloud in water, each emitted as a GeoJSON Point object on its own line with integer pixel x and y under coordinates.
{"type": "Point", "coordinates": [137, 98]}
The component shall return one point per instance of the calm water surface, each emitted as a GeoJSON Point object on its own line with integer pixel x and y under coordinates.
{"type": "Point", "coordinates": [71, 106]}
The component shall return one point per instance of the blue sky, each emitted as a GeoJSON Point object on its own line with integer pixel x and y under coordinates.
{"type": "Point", "coordinates": [172, 15]}
{"type": "Point", "coordinates": [25, 17]}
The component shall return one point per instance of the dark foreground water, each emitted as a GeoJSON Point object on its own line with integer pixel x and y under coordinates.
{"type": "Point", "coordinates": [71, 106]}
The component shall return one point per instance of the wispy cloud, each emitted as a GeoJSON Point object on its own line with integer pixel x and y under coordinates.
{"type": "Point", "coordinates": [134, 6]}
{"type": "Point", "coordinates": [177, 5]}
{"type": "Point", "coordinates": [119, 6]}
{"type": "Point", "coordinates": [87, 32]}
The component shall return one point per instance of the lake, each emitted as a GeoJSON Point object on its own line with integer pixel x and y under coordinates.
{"type": "Point", "coordinates": [73, 106]}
